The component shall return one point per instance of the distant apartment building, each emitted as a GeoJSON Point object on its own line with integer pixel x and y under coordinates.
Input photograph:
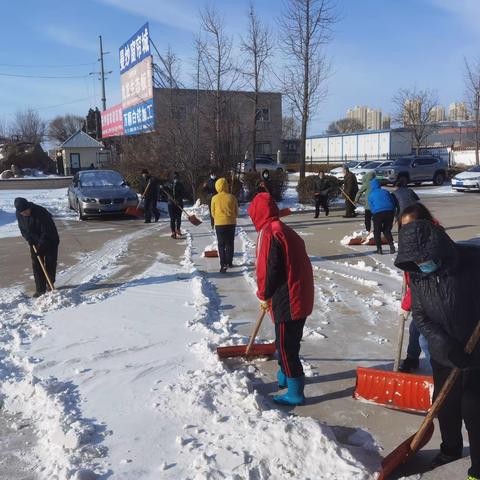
{"type": "Point", "coordinates": [386, 122]}
{"type": "Point", "coordinates": [412, 110]}
{"type": "Point", "coordinates": [457, 112]}
{"type": "Point", "coordinates": [370, 118]}
{"type": "Point", "coordinates": [437, 114]}
{"type": "Point", "coordinates": [358, 113]}
{"type": "Point", "coordinates": [374, 119]}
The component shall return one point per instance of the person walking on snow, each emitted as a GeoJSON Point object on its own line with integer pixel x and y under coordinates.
{"type": "Point", "coordinates": [350, 189]}
{"type": "Point", "coordinates": [224, 213]}
{"type": "Point", "coordinates": [176, 194]}
{"type": "Point", "coordinates": [382, 207]}
{"type": "Point", "coordinates": [444, 279]}
{"type": "Point", "coordinates": [366, 189]}
{"type": "Point", "coordinates": [285, 288]}
{"type": "Point", "coordinates": [321, 189]}
{"type": "Point", "coordinates": [209, 189]}
{"type": "Point", "coordinates": [38, 229]}
{"type": "Point", "coordinates": [150, 196]}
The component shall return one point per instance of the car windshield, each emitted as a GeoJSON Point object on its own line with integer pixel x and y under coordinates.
{"type": "Point", "coordinates": [371, 165]}
{"type": "Point", "coordinates": [105, 178]}
{"type": "Point", "coordinates": [474, 169]}
{"type": "Point", "coordinates": [402, 161]}
{"type": "Point", "coordinates": [351, 164]}
{"type": "Point", "coordinates": [363, 164]}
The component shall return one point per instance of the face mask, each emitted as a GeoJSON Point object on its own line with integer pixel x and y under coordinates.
{"type": "Point", "coordinates": [428, 267]}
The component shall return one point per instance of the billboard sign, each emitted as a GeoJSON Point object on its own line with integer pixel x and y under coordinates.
{"type": "Point", "coordinates": [112, 122]}
{"type": "Point", "coordinates": [139, 118]}
{"type": "Point", "coordinates": [137, 83]}
{"type": "Point", "coordinates": [135, 50]}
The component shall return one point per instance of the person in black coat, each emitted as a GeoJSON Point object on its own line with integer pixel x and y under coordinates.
{"type": "Point", "coordinates": [38, 229]}
{"type": "Point", "coordinates": [444, 279]}
{"type": "Point", "coordinates": [321, 189]}
{"type": "Point", "coordinates": [209, 189]}
{"type": "Point", "coordinates": [176, 194]}
{"type": "Point", "coordinates": [350, 188]}
{"type": "Point", "coordinates": [150, 196]}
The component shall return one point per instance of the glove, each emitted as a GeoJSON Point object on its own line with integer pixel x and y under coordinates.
{"type": "Point", "coordinates": [264, 305]}
{"type": "Point", "coordinates": [459, 358]}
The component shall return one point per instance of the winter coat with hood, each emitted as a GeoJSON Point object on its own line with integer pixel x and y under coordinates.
{"type": "Point", "coordinates": [39, 228]}
{"type": "Point", "coordinates": [379, 199]}
{"type": "Point", "coordinates": [224, 205]}
{"type": "Point", "coordinates": [365, 188]}
{"type": "Point", "coordinates": [404, 197]}
{"type": "Point", "coordinates": [321, 186]}
{"type": "Point", "coordinates": [350, 184]}
{"type": "Point", "coordinates": [284, 271]}
{"type": "Point", "coordinates": [445, 304]}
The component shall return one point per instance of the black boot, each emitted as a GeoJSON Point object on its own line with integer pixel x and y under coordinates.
{"type": "Point", "coordinates": [392, 248]}
{"type": "Point", "coordinates": [409, 364]}
{"type": "Point", "coordinates": [443, 459]}
{"type": "Point", "coordinates": [379, 251]}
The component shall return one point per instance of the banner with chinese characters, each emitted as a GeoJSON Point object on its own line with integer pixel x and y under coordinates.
{"type": "Point", "coordinates": [135, 50]}
{"type": "Point", "coordinates": [112, 122]}
{"type": "Point", "coordinates": [139, 118]}
{"type": "Point", "coordinates": [137, 83]}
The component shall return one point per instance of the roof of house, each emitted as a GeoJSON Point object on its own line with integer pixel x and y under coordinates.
{"type": "Point", "coordinates": [81, 139]}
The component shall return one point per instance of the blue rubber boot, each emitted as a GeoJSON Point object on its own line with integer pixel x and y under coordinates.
{"type": "Point", "coordinates": [295, 395]}
{"type": "Point", "coordinates": [282, 379]}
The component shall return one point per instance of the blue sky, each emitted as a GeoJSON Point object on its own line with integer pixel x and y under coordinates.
{"type": "Point", "coordinates": [378, 47]}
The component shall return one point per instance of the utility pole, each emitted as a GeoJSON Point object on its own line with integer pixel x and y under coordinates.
{"type": "Point", "coordinates": [102, 74]}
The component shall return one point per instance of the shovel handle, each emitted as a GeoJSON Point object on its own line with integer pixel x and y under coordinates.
{"type": "Point", "coordinates": [401, 334]}
{"type": "Point", "coordinates": [176, 203]}
{"type": "Point", "coordinates": [253, 336]}
{"type": "Point", "coordinates": [437, 405]}
{"type": "Point", "coordinates": [42, 265]}
{"type": "Point", "coordinates": [347, 197]}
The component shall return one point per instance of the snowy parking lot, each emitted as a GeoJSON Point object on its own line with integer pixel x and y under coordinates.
{"type": "Point", "coordinates": [116, 373]}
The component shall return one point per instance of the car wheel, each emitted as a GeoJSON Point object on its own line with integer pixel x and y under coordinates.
{"type": "Point", "coordinates": [403, 181]}
{"type": "Point", "coordinates": [438, 179]}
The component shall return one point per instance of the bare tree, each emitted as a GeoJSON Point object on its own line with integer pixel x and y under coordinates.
{"type": "Point", "coordinates": [472, 83]}
{"type": "Point", "coordinates": [291, 127]}
{"type": "Point", "coordinates": [258, 49]}
{"type": "Point", "coordinates": [218, 68]}
{"type": "Point", "coordinates": [414, 111]}
{"type": "Point", "coordinates": [305, 29]}
{"type": "Point", "coordinates": [27, 126]}
{"type": "Point", "coordinates": [345, 125]}
{"type": "Point", "coordinates": [63, 127]}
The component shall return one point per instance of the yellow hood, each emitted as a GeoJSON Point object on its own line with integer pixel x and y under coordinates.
{"type": "Point", "coordinates": [221, 185]}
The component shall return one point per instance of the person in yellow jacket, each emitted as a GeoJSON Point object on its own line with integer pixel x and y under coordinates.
{"type": "Point", "coordinates": [224, 213]}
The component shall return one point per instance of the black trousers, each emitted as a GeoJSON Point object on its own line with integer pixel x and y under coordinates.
{"type": "Point", "coordinates": [150, 208]}
{"type": "Point", "coordinates": [383, 223]}
{"type": "Point", "coordinates": [50, 261]}
{"type": "Point", "coordinates": [321, 201]}
{"type": "Point", "coordinates": [212, 222]}
{"type": "Point", "coordinates": [175, 214]}
{"type": "Point", "coordinates": [349, 207]}
{"type": "Point", "coordinates": [225, 240]}
{"type": "Point", "coordinates": [368, 220]}
{"type": "Point", "coordinates": [462, 403]}
{"type": "Point", "coordinates": [287, 338]}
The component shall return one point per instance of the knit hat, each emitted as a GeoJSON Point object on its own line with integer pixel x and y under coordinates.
{"type": "Point", "coordinates": [21, 204]}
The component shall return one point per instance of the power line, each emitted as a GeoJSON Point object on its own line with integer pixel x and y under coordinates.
{"type": "Point", "coordinates": [47, 66]}
{"type": "Point", "coordinates": [15, 75]}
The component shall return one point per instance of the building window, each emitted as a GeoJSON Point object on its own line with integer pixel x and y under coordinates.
{"type": "Point", "coordinates": [263, 115]}
{"type": "Point", "coordinates": [263, 148]}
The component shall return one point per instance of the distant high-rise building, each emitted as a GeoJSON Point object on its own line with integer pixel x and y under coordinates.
{"type": "Point", "coordinates": [412, 110]}
{"type": "Point", "coordinates": [358, 113]}
{"type": "Point", "coordinates": [457, 111]}
{"type": "Point", "coordinates": [374, 119]}
{"type": "Point", "coordinates": [437, 114]}
{"type": "Point", "coordinates": [386, 122]}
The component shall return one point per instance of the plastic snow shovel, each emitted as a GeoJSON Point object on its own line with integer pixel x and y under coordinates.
{"type": "Point", "coordinates": [284, 212]}
{"type": "Point", "coordinates": [44, 269]}
{"type": "Point", "coordinates": [210, 253]}
{"type": "Point", "coordinates": [193, 219]}
{"type": "Point", "coordinates": [252, 349]}
{"type": "Point", "coordinates": [137, 211]}
{"type": "Point", "coordinates": [412, 445]}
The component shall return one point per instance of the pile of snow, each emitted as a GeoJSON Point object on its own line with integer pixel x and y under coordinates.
{"type": "Point", "coordinates": [360, 234]}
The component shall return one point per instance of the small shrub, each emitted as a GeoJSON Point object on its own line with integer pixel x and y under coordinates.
{"type": "Point", "coordinates": [305, 188]}
{"type": "Point", "coordinates": [276, 184]}
{"type": "Point", "coordinates": [315, 167]}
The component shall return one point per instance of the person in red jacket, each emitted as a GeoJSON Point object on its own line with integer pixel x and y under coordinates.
{"type": "Point", "coordinates": [285, 287]}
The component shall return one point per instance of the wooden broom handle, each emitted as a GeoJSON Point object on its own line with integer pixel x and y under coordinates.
{"type": "Point", "coordinates": [175, 202]}
{"type": "Point", "coordinates": [347, 197]}
{"type": "Point", "coordinates": [452, 378]}
{"type": "Point", "coordinates": [40, 261]}
{"type": "Point", "coordinates": [255, 331]}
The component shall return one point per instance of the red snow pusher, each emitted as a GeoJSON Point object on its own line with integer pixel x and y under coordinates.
{"type": "Point", "coordinates": [210, 253]}
{"type": "Point", "coordinates": [284, 212]}
{"type": "Point", "coordinates": [252, 349]}
{"type": "Point", "coordinates": [412, 445]}
{"type": "Point", "coordinates": [137, 211]}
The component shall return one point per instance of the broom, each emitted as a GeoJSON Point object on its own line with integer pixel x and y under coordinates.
{"type": "Point", "coordinates": [193, 219]}
{"type": "Point", "coordinates": [137, 211]}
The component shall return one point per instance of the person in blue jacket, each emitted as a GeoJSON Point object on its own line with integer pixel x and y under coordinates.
{"type": "Point", "coordinates": [382, 206]}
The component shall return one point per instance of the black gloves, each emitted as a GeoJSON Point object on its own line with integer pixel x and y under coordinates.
{"type": "Point", "coordinates": [459, 358]}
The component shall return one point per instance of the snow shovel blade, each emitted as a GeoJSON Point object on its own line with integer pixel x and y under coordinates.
{"type": "Point", "coordinates": [371, 242]}
{"type": "Point", "coordinates": [284, 212]}
{"type": "Point", "coordinates": [194, 220]}
{"type": "Point", "coordinates": [210, 253]}
{"type": "Point", "coordinates": [397, 390]}
{"type": "Point", "coordinates": [257, 350]}
{"type": "Point", "coordinates": [134, 212]}
{"type": "Point", "coordinates": [402, 454]}
{"type": "Point", "coordinates": [356, 241]}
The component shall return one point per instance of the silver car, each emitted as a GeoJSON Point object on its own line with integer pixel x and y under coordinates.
{"type": "Point", "coordinates": [100, 192]}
